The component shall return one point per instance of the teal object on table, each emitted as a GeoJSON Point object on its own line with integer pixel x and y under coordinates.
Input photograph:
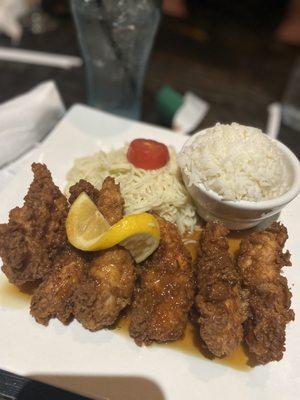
{"type": "Point", "coordinates": [167, 102]}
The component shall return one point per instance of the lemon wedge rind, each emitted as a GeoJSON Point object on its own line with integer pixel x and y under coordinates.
{"type": "Point", "coordinates": [88, 230]}
{"type": "Point", "coordinates": [129, 232]}
{"type": "Point", "coordinates": [140, 246]}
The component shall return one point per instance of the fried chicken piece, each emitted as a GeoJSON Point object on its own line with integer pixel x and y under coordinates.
{"type": "Point", "coordinates": [111, 202]}
{"type": "Point", "coordinates": [54, 297]}
{"type": "Point", "coordinates": [108, 290]}
{"type": "Point", "coordinates": [109, 199]}
{"type": "Point", "coordinates": [83, 186]}
{"type": "Point", "coordinates": [35, 235]}
{"type": "Point", "coordinates": [109, 285]}
{"type": "Point", "coordinates": [220, 301]}
{"type": "Point", "coordinates": [260, 261]}
{"type": "Point", "coordinates": [165, 294]}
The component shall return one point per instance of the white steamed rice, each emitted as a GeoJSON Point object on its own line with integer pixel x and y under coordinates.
{"type": "Point", "coordinates": [237, 162]}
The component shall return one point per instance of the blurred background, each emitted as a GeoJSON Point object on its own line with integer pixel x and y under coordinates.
{"type": "Point", "coordinates": [236, 56]}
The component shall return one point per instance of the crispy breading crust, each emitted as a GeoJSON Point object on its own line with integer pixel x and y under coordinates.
{"type": "Point", "coordinates": [110, 280]}
{"type": "Point", "coordinates": [83, 186]}
{"type": "Point", "coordinates": [110, 201]}
{"type": "Point", "coordinates": [35, 235]}
{"type": "Point", "coordinates": [260, 261]}
{"type": "Point", "coordinates": [107, 290]}
{"type": "Point", "coordinates": [54, 297]}
{"type": "Point", "coordinates": [220, 301]}
{"type": "Point", "coordinates": [165, 293]}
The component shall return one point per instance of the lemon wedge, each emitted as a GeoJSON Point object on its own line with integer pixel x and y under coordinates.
{"type": "Point", "coordinates": [138, 233]}
{"type": "Point", "coordinates": [85, 223]}
{"type": "Point", "coordinates": [88, 230]}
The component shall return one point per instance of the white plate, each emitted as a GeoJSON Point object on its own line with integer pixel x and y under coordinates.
{"type": "Point", "coordinates": [108, 364]}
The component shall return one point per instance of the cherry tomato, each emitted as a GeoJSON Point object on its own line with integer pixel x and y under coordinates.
{"type": "Point", "coordinates": [148, 154]}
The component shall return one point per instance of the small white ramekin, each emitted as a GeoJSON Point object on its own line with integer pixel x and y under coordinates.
{"type": "Point", "coordinates": [241, 214]}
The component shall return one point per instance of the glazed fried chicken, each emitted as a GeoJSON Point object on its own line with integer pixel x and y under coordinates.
{"type": "Point", "coordinates": [109, 285]}
{"type": "Point", "coordinates": [83, 186]}
{"type": "Point", "coordinates": [107, 291]}
{"type": "Point", "coordinates": [92, 287]}
{"type": "Point", "coordinates": [220, 300]}
{"type": "Point", "coordinates": [34, 238]}
{"type": "Point", "coordinates": [54, 297]}
{"type": "Point", "coordinates": [109, 199]}
{"type": "Point", "coordinates": [165, 294]}
{"type": "Point", "coordinates": [260, 261]}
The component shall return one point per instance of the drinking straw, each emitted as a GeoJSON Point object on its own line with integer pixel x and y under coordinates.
{"type": "Point", "coordinates": [39, 58]}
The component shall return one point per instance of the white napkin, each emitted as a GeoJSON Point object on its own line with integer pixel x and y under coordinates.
{"type": "Point", "coordinates": [27, 119]}
{"type": "Point", "coordinates": [10, 12]}
{"type": "Point", "coordinates": [190, 114]}
{"type": "Point", "coordinates": [24, 122]}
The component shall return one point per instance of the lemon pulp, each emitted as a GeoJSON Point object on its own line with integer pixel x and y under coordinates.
{"type": "Point", "coordinates": [84, 223]}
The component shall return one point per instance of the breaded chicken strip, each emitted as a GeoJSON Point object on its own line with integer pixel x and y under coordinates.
{"type": "Point", "coordinates": [260, 261]}
{"type": "Point", "coordinates": [109, 199]}
{"type": "Point", "coordinates": [111, 202]}
{"type": "Point", "coordinates": [109, 285]}
{"type": "Point", "coordinates": [54, 297]}
{"type": "Point", "coordinates": [165, 294]}
{"type": "Point", "coordinates": [83, 186]}
{"type": "Point", "coordinates": [107, 291]}
{"type": "Point", "coordinates": [219, 301]}
{"type": "Point", "coordinates": [93, 290]}
{"type": "Point", "coordinates": [35, 235]}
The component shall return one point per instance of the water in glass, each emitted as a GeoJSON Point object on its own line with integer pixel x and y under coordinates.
{"type": "Point", "coordinates": [116, 37]}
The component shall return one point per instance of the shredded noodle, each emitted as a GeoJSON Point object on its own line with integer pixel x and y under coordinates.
{"type": "Point", "coordinates": [160, 190]}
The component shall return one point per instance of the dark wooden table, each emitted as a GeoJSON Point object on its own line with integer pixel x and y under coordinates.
{"type": "Point", "coordinates": [238, 71]}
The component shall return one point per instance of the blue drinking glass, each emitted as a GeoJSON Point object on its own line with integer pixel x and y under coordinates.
{"type": "Point", "coordinates": [116, 38]}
